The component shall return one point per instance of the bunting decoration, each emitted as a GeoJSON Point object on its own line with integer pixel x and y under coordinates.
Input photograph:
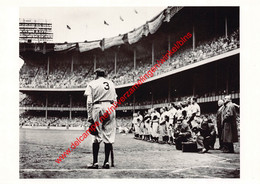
{"type": "Point", "coordinates": [64, 47]}
{"type": "Point", "coordinates": [154, 25]}
{"type": "Point", "coordinates": [87, 46]}
{"type": "Point", "coordinates": [135, 35]}
{"type": "Point", "coordinates": [114, 41]}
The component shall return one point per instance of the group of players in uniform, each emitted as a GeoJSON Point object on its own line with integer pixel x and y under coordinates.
{"type": "Point", "coordinates": [179, 124]}
{"type": "Point", "coordinates": [176, 124]}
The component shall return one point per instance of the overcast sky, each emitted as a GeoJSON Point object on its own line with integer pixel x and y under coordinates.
{"type": "Point", "coordinates": [88, 23]}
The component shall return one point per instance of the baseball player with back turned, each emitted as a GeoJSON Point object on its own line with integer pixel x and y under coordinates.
{"type": "Point", "coordinates": [101, 94]}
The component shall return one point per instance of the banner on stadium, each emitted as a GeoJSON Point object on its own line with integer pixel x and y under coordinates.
{"type": "Point", "coordinates": [135, 35]}
{"type": "Point", "coordinates": [170, 12]}
{"type": "Point", "coordinates": [175, 10]}
{"type": "Point", "coordinates": [155, 24]}
{"type": "Point", "coordinates": [86, 46]}
{"type": "Point", "coordinates": [64, 47]}
{"type": "Point", "coordinates": [114, 41]}
{"type": "Point", "coordinates": [146, 29]}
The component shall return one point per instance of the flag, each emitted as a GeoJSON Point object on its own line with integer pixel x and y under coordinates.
{"type": "Point", "coordinates": [121, 18]}
{"type": "Point", "coordinates": [136, 11]}
{"type": "Point", "coordinates": [106, 23]}
{"type": "Point", "coordinates": [68, 27]}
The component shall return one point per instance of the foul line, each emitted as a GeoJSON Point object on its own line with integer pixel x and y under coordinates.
{"type": "Point", "coordinates": [112, 170]}
{"type": "Point", "coordinates": [215, 167]}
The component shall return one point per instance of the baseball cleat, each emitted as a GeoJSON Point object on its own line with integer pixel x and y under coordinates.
{"type": "Point", "coordinates": [204, 150]}
{"type": "Point", "coordinates": [93, 166]}
{"type": "Point", "coordinates": [106, 166]}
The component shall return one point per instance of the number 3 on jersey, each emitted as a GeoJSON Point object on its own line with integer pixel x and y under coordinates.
{"type": "Point", "coordinates": [106, 85]}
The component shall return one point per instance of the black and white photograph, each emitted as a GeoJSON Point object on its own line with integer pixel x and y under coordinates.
{"type": "Point", "coordinates": [112, 91]}
{"type": "Point", "coordinates": [129, 92]}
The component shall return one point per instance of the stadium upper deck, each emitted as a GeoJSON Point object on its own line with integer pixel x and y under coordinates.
{"type": "Point", "coordinates": [126, 57]}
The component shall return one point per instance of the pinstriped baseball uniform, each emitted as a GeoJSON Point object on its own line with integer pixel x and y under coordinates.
{"type": "Point", "coordinates": [136, 124]}
{"type": "Point", "coordinates": [171, 113]}
{"type": "Point", "coordinates": [162, 127]}
{"type": "Point", "coordinates": [155, 128]}
{"type": "Point", "coordinates": [102, 91]}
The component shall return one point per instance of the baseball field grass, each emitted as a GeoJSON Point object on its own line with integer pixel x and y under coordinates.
{"type": "Point", "coordinates": [39, 148]}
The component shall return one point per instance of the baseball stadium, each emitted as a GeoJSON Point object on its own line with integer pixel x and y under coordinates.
{"type": "Point", "coordinates": [54, 77]}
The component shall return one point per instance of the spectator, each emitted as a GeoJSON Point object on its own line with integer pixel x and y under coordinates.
{"type": "Point", "coordinates": [229, 132]}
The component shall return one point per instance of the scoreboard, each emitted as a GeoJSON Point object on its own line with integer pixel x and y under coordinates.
{"type": "Point", "coordinates": [35, 30]}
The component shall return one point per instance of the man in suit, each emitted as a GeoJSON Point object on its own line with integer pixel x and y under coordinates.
{"type": "Point", "coordinates": [229, 131]}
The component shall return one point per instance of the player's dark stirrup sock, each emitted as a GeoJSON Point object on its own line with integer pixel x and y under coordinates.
{"type": "Point", "coordinates": [166, 138]}
{"type": "Point", "coordinates": [108, 148]}
{"type": "Point", "coordinates": [95, 148]}
{"type": "Point", "coordinates": [112, 156]}
{"type": "Point", "coordinates": [163, 138]}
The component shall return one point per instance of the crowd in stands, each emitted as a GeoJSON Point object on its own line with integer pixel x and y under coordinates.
{"type": "Point", "coordinates": [183, 57]}
{"type": "Point", "coordinates": [52, 121]}
{"type": "Point", "coordinates": [60, 75]}
{"type": "Point", "coordinates": [32, 121]}
{"type": "Point", "coordinates": [123, 122]}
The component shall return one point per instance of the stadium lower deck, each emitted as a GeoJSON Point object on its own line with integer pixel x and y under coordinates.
{"type": "Point", "coordinates": [39, 148]}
